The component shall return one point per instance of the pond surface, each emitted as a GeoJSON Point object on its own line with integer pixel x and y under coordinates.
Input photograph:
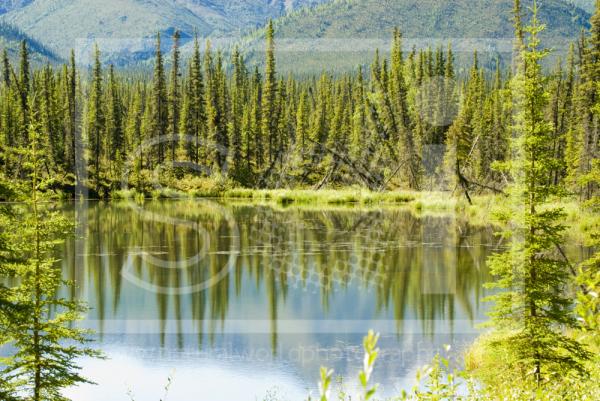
{"type": "Point", "coordinates": [236, 302]}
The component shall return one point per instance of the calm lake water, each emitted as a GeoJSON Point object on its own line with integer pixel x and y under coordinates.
{"type": "Point", "coordinates": [236, 302]}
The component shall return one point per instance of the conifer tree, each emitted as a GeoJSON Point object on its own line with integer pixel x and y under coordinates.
{"type": "Point", "coordinates": [70, 81]}
{"type": "Point", "coordinates": [533, 310]}
{"type": "Point", "coordinates": [302, 126]}
{"type": "Point", "coordinates": [24, 87]}
{"type": "Point", "coordinates": [41, 331]}
{"type": "Point", "coordinates": [247, 141]}
{"type": "Point", "coordinates": [196, 104]}
{"type": "Point", "coordinates": [235, 125]}
{"type": "Point", "coordinates": [115, 141]}
{"type": "Point", "coordinates": [174, 98]}
{"type": "Point", "coordinates": [216, 111]}
{"type": "Point", "coordinates": [463, 133]}
{"type": "Point", "coordinates": [95, 121]}
{"type": "Point", "coordinates": [269, 96]}
{"type": "Point", "coordinates": [588, 307]}
{"type": "Point", "coordinates": [188, 142]}
{"type": "Point", "coordinates": [159, 105]}
{"type": "Point", "coordinates": [256, 120]}
{"type": "Point", "coordinates": [285, 131]}
{"type": "Point", "coordinates": [402, 118]}
{"type": "Point", "coordinates": [223, 114]}
{"type": "Point", "coordinates": [6, 68]}
{"type": "Point", "coordinates": [589, 97]}
{"type": "Point", "coordinates": [134, 133]}
{"type": "Point", "coordinates": [319, 126]}
{"type": "Point", "coordinates": [358, 119]}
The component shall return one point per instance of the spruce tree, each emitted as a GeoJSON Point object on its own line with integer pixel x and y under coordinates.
{"type": "Point", "coordinates": [95, 121]}
{"type": "Point", "coordinates": [134, 135]}
{"type": "Point", "coordinates": [174, 98]}
{"type": "Point", "coordinates": [269, 96]}
{"type": "Point", "coordinates": [196, 104]}
{"type": "Point", "coordinates": [71, 115]}
{"type": "Point", "coordinates": [115, 141]}
{"type": "Point", "coordinates": [221, 139]}
{"type": "Point", "coordinates": [589, 97]}
{"type": "Point", "coordinates": [159, 106]}
{"type": "Point", "coordinates": [533, 308]}
{"type": "Point", "coordinates": [6, 68]}
{"type": "Point", "coordinates": [41, 330]}
{"type": "Point", "coordinates": [463, 133]}
{"type": "Point", "coordinates": [399, 94]}
{"type": "Point", "coordinates": [356, 147]}
{"type": "Point", "coordinates": [235, 125]}
{"type": "Point", "coordinates": [256, 120]}
{"type": "Point", "coordinates": [24, 88]}
{"type": "Point", "coordinates": [302, 126]}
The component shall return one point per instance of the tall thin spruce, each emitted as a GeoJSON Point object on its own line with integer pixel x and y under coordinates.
{"type": "Point", "coordinates": [42, 326]}
{"type": "Point", "coordinates": [533, 311]}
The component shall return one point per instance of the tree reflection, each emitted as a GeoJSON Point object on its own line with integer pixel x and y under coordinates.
{"type": "Point", "coordinates": [427, 269]}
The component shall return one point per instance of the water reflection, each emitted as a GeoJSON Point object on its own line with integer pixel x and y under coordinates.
{"type": "Point", "coordinates": [274, 290]}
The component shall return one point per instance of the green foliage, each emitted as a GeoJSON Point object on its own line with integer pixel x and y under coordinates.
{"type": "Point", "coordinates": [34, 321]}
{"type": "Point", "coordinates": [533, 309]}
{"type": "Point", "coordinates": [439, 381]}
{"type": "Point", "coordinates": [435, 382]}
{"type": "Point", "coordinates": [325, 383]}
{"type": "Point", "coordinates": [588, 277]}
{"type": "Point", "coordinates": [371, 351]}
{"type": "Point", "coordinates": [368, 391]}
{"type": "Point", "coordinates": [390, 131]}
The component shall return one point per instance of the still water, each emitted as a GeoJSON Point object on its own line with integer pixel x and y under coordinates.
{"type": "Point", "coordinates": [234, 302]}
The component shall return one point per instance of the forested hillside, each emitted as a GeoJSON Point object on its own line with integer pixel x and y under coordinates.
{"type": "Point", "coordinates": [243, 14]}
{"type": "Point", "coordinates": [587, 5]}
{"type": "Point", "coordinates": [341, 34]}
{"type": "Point", "coordinates": [10, 41]}
{"type": "Point", "coordinates": [347, 31]}
{"type": "Point", "coordinates": [10, 5]}
{"type": "Point", "coordinates": [122, 25]}
{"type": "Point", "coordinates": [118, 24]}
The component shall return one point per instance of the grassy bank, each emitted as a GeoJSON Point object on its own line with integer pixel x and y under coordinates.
{"type": "Point", "coordinates": [443, 202]}
{"type": "Point", "coordinates": [484, 209]}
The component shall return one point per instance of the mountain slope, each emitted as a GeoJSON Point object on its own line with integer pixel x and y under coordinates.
{"type": "Point", "coordinates": [347, 31]}
{"type": "Point", "coordinates": [587, 5]}
{"type": "Point", "coordinates": [61, 23]}
{"type": "Point", "coordinates": [244, 14]}
{"type": "Point", "coordinates": [11, 38]}
{"type": "Point", "coordinates": [120, 26]}
{"type": "Point", "coordinates": [10, 5]}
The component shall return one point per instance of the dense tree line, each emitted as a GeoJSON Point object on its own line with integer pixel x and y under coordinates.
{"type": "Point", "coordinates": [406, 122]}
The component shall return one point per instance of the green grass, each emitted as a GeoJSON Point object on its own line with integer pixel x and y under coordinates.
{"type": "Point", "coordinates": [485, 209]}
{"type": "Point", "coordinates": [287, 197]}
{"type": "Point", "coordinates": [484, 364]}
